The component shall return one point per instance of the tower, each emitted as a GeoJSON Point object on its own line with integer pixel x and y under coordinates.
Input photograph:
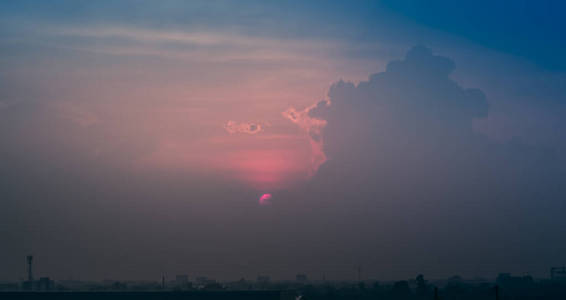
{"type": "Point", "coordinates": [496, 292]}
{"type": "Point", "coordinates": [29, 259]}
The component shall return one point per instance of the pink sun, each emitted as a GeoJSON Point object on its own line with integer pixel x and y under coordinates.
{"type": "Point", "coordinates": [265, 199]}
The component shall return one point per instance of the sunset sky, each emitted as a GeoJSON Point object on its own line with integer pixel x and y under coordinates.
{"type": "Point", "coordinates": [235, 138]}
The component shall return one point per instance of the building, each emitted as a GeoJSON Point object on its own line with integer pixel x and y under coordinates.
{"type": "Point", "coordinates": [301, 278]}
{"type": "Point", "coordinates": [507, 280]}
{"type": "Point", "coordinates": [170, 295]}
{"type": "Point", "coordinates": [182, 281]}
{"type": "Point", "coordinates": [45, 284]}
{"type": "Point", "coordinates": [558, 273]}
{"type": "Point", "coordinates": [263, 279]}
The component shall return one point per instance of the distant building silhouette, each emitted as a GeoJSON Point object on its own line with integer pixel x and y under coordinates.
{"type": "Point", "coordinates": [263, 279]}
{"type": "Point", "coordinates": [301, 278]}
{"type": "Point", "coordinates": [505, 280]}
{"type": "Point", "coordinates": [182, 281]}
{"type": "Point", "coordinates": [45, 284]}
{"type": "Point", "coordinates": [401, 289]}
{"type": "Point", "coordinates": [422, 286]}
{"type": "Point", "coordinates": [29, 260]}
{"type": "Point", "coordinates": [558, 273]}
{"type": "Point", "coordinates": [28, 285]}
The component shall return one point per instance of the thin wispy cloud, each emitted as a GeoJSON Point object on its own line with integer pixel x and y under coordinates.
{"type": "Point", "coordinates": [312, 127]}
{"type": "Point", "coordinates": [245, 127]}
{"type": "Point", "coordinates": [195, 46]}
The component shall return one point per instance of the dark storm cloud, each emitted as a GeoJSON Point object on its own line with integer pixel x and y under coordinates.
{"type": "Point", "coordinates": [413, 121]}
{"type": "Point", "coordinates": [413, 101]}
{"type": "Point", "coordinates": [408, 174]}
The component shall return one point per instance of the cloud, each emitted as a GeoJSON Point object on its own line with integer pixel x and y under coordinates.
{"type": "Point", "coordinates": [412, 108]}
{"type": "Point", "coordinates": [244, 127]}
{"type": "Point", "coordinates": [195, 46]}
{"type": "Point", "coordinates": [406, 167]}
{"type": "Point", "coordinates": [313, 128]}
{"type": "Point", "coordinates": [265, 199]}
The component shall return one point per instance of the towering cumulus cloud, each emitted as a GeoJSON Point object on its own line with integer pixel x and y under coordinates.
{"type": "Point", "coordinates": [313, 127]}
{"type": "Point", "coordinates": [407, 116]}
{"type": "Point", "coordinates": [406, 167]}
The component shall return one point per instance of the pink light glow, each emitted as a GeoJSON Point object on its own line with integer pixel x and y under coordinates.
{"type": "Point", "coordinates": [226, 125]}
{"type": "Point", "coordinates": [265, 199]}
{"type": "Point", "coordinates": [263, 162]}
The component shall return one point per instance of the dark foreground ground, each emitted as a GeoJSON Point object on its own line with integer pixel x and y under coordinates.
{"type": "Point", "coordinates": [192, 295]}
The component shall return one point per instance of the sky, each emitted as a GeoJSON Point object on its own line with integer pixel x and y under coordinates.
{"type": "Point", "coordinates": [234, 139]}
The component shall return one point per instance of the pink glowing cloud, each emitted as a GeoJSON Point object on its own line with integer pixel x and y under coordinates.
{"type": "Point", "coordinates": [244, 127]}
{"type": "Point", "coordinates": [268, 161]}
{"type": "Point", "coordinates": [313, 127]}
{"type": "Point", "coordinates": [265, 199]}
